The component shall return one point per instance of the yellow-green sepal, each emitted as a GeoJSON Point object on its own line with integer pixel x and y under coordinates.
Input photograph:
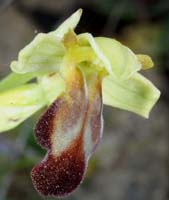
{"type": "Point", "coordinates": [18, 104]}
{"type": "Point", "coordinates": [14, 80]}
{"type": "Point", "coordinates": [69, 23]}
{"type": "Point", "coordinates": [43, 54]}
{"type": "Point", "coordinates": [136, 94]}
{"type": "Point", "coordinates": [46, 51]}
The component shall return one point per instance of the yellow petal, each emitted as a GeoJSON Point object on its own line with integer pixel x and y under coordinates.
{"type": "Point", "coordinates": [146, 61]}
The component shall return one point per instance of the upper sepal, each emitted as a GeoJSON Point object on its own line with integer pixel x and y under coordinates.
{"type": "Point", "coordinates": [46, 51]}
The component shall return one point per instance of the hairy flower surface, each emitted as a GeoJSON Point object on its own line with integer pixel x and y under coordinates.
{"type": "Point", "coordinates": [75, 75]}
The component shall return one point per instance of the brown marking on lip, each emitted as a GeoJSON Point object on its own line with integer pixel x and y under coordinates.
{"type": "Point", "coordinates": [52, 74]}
{"type": "Point", "coordinates": [61, 172]}
{"type": "Point", "coordinates": [95, 119]}
{"type": "Point", "coordinates": [63, 113]}
{"type": "Point", "coordinates": [44, 127]}
{"type": "Point", "coordinates": [59, 176]}
{"type": "Point", "coordinates": [13, 119]}
{"type": "Point", "coordinates": [96, 115]}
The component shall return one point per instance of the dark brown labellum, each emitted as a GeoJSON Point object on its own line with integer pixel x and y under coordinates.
{"type": "Point", "coordinates": [70, 129]}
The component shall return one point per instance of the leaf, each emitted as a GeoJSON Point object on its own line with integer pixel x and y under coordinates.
{"type": "Point", "coordinates": [18, 104]}
{"type": "Point", "coordinates": [136, 94]}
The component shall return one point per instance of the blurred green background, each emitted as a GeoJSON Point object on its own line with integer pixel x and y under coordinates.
{"type": "Point", "coordinates": [132, 160]}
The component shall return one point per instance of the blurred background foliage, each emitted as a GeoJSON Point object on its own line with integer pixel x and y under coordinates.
{"type": "Point", "coordinates": [132, 160]}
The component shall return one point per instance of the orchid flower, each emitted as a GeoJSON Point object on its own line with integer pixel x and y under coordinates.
{"type": "Point", "coordinates": [75, 75]}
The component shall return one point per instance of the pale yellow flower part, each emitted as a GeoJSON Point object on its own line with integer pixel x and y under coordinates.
{"type": "Point", "coordinates": [136, 94]}
{"type": "Point", "coordinates": [146, 61]}
{"type": "Point", "coordinates": [48, 55]}
{"type": "Point", "coordinates": [18, 104]}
